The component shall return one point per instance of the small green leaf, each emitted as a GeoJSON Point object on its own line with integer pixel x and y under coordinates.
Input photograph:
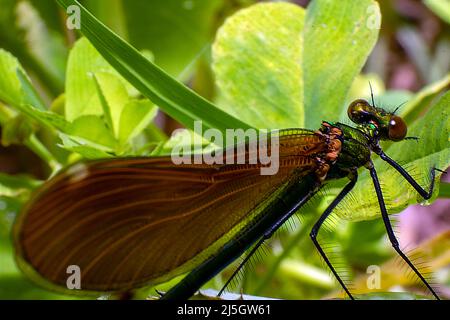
{"type": "Point", "coordinates": [15, 85]}
{"type": "Point", "coordinates": [81, 92]}
{"type": "Point", "coordinates": [46, 118]}
{"type": "Point", "coordinates": [86, 148]}
{"type": "Point", "coordinates": [170, 95]}
{"type": "Point", "coordinates": [113, 96]}
{"type": "Point", "coordinates": [10, 86]}
{"type": "Point", "coordinates": [338, 37]}
{"type": "Point", "coordinates": [136, 115]}
{"type": "Point", "coordinates": [92, 128]}
{"type": "Point", "coordinates": [258, 65]}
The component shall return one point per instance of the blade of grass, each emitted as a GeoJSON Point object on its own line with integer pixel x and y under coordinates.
{"type": "Point", "coordinates": [171, 96]}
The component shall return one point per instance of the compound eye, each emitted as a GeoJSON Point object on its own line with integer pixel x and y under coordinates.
{"type": "Point", "coordinates": [358, 111]}
{"type": "Point", "coordinates": [397, 128]}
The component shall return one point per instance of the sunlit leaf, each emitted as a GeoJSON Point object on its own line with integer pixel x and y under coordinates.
{"type": "Point", "coordinates": [93, 129]}
{"type": "Point", "coordinates": [113, 96]}
{"type": "Point", "coordinates": [258, 65]}
{"type": "Point", "coordinates": [15, 86]}
{"type": "Point", "coordinates": [136, 115]}
{"type": "Point", "coordinates": [338, 37]}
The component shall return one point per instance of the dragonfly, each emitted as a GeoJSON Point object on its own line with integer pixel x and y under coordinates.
{"type": "Point", "coordinates": [133, 222]}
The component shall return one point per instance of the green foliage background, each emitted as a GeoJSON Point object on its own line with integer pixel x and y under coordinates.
{"type": "Point", "coordinates": [269, 65]}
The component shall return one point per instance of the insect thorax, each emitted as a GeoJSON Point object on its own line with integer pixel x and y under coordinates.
{"type": "Point", "coordinates": [355, 152]}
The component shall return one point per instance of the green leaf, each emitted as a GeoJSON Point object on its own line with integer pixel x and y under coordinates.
{"type": "Point", "coordinates": [258, 65]}
{"type": "Point", "coordinates": [81, 92]}
{"type": "Point", "coordinates": [46, 118]}
{"type": "Point", "coordinates": [136, 115]}
{"type": "Point", "coordinates": [338, 37]}
{"type": "Point", "coordinates": [170, 95]}
{"type": "Point", "coordinates": [86, 148]}
{"type": "Point", "coordinates": [92, 128]}
{"type": "Point", "coordinates": [440, 7]}
{"type": "Point", "coordinates": [113, 96]}
{"type": "Point", "coordinates": [15, 85]}
{"type": "Point", "coordinates": [417, 157]}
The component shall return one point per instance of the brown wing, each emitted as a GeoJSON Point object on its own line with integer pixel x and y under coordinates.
{"type": "Point", "coordinates": [131, 222]}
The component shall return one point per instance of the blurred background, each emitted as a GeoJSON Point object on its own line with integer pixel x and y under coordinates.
{"type": "Point", "coordinates": [413, 51]}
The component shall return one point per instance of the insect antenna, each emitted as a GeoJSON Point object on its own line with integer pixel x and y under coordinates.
{"type": "Point", "coordinates": [371, 95]}
{"type": "Point", "coordinates": [399, 106]}
{"type": "Point", "coordinates": [334, 251]}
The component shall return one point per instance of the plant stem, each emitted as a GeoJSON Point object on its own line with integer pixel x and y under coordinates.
{"type": "Point", "coordinates": [38, 148]}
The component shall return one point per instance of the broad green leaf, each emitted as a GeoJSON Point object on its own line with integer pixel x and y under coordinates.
{"type": "Point", "coordinates": [15, 85]}
{"type": "Point", "coordinates": [440, 7]}
{"type": "Point", "coordinates": [417, 157]}
{"type": "Point", "coordinates": [258, 65]}
{"type": "Point", "coordinates": [92, 128]}
{"type": "Point", "coordinates": [113, 96]}
{"type": "Point", "coordinates": [171, 96]}
{"type": "Point", "coordinates": [136, 115]}
{"type": "Point", "coordinates": [338, 37]}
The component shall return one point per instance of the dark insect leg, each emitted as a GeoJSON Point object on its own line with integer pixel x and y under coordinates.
{"type": "Point", "coordinates": [323, 217]}
{"type": "Point", "coordinates": [425, 194]}
{"type": "Point", "coordinates": [389, 230]}
{"type": "Point", "coordinates": [241, 265]}
{"type": "Point", "coordinates": [255, 248]}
